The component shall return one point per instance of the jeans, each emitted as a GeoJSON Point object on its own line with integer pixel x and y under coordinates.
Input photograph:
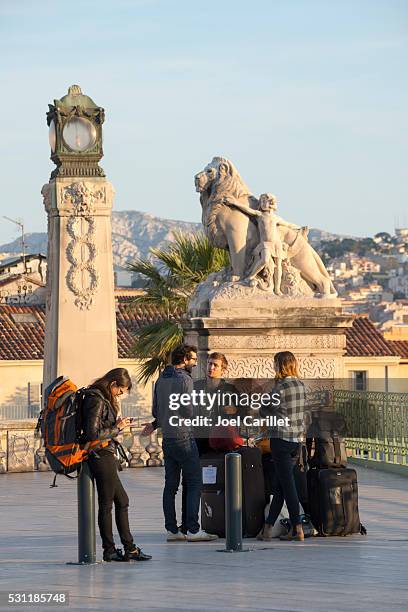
{"type": "Point", "coordinates": [111, 491]}
{"type": "Point", "coordinates": [203, 447]}
{"type": "Point", "coordinates": [284, 455]}
{"type": "Point", "coordinates": [181, 458]}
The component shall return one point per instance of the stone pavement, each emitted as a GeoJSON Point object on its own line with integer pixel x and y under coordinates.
{"type": "Point", "coordinates": [38, 537]}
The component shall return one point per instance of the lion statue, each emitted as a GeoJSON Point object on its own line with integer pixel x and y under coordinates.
{"type": "Point", "coordinates": [229, 228]}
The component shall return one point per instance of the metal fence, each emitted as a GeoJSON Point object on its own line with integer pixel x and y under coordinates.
{"type": "Point", "coordinates": [18, 412]}
{"type": "Point", "coordinates": [377, 424]}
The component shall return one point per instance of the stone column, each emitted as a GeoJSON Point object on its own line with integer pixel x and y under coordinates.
{"type": "Point", "coordinates": [80, 339]}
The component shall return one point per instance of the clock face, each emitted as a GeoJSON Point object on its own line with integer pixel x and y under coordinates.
{"type": "Point", "coordinates": [79, 134]}
{"type": "Point", "coordinates": [52, 137]}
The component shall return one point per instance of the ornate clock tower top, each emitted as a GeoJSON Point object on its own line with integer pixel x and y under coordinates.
{"type": "Point", "coordinates": [75, 135]}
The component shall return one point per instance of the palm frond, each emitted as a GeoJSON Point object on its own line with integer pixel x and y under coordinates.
{"type": "Point", "coordinates": [148, 269]}
{"type": "Point", "coordinates": [154, 342]}
{"type": "Point", "coordinates": [149, 369]}
{"type": "Point", "coordinates": [191, 258]}
{"type": "Point", "coordinates": [169, 283]}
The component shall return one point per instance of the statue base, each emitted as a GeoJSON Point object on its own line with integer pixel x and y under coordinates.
{"type": "Point", "coordinates": [250, 329]}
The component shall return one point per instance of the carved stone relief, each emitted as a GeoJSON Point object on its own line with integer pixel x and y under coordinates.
{"type": "Point", "coordinates": [262, 367]}
{"type": "Point", "coordinates": [282, 342]}
{"type": "Point", "coordinates": [82, 277]}
{"type": "Point", "coordinates": [47, 196]}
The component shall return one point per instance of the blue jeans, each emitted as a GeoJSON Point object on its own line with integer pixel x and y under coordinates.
{"type": "Point", "coordinates": [181, 457]}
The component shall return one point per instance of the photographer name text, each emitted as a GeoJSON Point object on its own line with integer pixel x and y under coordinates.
{"type": "Point", "coordinates": [246, 421]}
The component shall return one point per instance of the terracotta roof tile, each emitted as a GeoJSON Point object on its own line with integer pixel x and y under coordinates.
{"type": "Point", "coordinates": [400, 347]}
{"type": "Point", "coordinates": [363, 339]}
{"type": "Point", "coordinates": [129, 318]}
{"type": "Point", "coordinates": [25, 340]}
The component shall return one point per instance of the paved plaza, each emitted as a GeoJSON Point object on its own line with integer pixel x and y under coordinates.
{"type": "Point", "coordinates": [38, 536]}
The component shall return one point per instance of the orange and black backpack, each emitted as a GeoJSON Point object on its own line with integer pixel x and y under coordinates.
{"type": "Point", "coordinates": [60, 423]}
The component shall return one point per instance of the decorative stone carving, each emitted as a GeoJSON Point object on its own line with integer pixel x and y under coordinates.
{"type": "Point", "coordinates": [250, 367]}
{"type": "Point", "coordinates": [262, 367]}
{"type": "Point", "coordinates": [47, 196]}
{"type": "Point", "coordinates": [316, 367]}
{"type": "Point", "coordinates": [278, 342]}
{"type": "Point", "coordinates": [228, 213]}
{"type": "Point", "coordinates": [20, 446]}
{"type": "Point", "coordinates": [83, 197]}
{"type": "Point", "coordinates": [82, 277]}
{"type": "Point", "coordinates": [220, 287]}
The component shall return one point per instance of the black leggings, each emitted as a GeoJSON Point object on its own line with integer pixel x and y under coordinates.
{"type": "Point", "coordinates": [111, 491]}
{"type": "Point", "coordinates": [284, 455]}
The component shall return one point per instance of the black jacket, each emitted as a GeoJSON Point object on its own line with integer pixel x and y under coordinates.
{"type": "Point", "coordinates": [98, 418]}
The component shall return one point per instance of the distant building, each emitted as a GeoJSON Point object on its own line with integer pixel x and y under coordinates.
{"type": "Point", "coordinates": [22, 281]}
{"type": "Point", "coordinates": [399, 284]}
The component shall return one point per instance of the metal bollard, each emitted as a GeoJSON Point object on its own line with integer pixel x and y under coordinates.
{"type": "Point", "coordinates": [233, 502]}
{"type": "Point", "coordinates": [86, 516]}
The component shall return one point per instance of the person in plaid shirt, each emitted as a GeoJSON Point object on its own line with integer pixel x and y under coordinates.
{"type": "Point", "coordinates": [286, 443]}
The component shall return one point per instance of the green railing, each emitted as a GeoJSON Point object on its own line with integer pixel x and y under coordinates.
{"type": "Point", "coordinates": [377, 424]}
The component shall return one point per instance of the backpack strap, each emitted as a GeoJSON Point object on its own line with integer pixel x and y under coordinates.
{"type": "Point", "coordinates": [122, 452]}
{"type": "Point", "coordinates": [363, 530]}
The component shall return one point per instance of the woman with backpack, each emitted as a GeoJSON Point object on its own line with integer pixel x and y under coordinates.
{"type": "Point", "coordinates": [100, 409]}
{"type": "Point", "coordinates": [286, 444]}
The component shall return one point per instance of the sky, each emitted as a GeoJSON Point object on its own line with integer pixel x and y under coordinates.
{"type": "Point", "coordinates": [308, 98]}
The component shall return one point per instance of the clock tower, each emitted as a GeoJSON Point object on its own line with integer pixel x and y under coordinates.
{"type": "Point", "coordinates": [75, 134]}
{"type": "Point", "coordinates": [80, 337]}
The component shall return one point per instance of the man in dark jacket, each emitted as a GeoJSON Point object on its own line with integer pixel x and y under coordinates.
{"type": "Point", "coordinates": [171, 407]}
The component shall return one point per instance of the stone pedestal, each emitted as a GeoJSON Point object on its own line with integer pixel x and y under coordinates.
{"type": "Point", "coordinates": [250, 330]}
{"type": "Point", "coordinates": [80, 337]}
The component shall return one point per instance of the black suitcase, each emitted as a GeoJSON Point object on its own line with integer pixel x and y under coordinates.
{"type": "Point", "coordinates": [333, 499]}
{"type": "Point", "coordinates": [213, 492]}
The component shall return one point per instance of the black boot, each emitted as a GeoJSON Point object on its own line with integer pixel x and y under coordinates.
{"type": "Point", "coordinates": [114, 555]}
{"type": "Point", "coordinates": [136, 555]}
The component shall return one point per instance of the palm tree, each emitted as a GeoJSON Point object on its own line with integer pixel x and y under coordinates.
{"type": "Point", "coordinates": [170, 279]}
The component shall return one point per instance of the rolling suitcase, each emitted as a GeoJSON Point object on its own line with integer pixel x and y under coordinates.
{"type": "Point", "coordinates": [213, 492]}
{"type": "Point", "coordinates": [253, 491]}
{"type": "Point", "coordinates": [333, 499]}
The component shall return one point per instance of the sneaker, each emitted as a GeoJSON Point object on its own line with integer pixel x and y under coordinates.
{"type": "Point", "coordinates": [136, 555]}
{"type": "Point", "coordinates": [176, 537]}
{"type": "Point", "coordinates": [201, 536]}
{"type": "Point", "coordinates": [113, 555]}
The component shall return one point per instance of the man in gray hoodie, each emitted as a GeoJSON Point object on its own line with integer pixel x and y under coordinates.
{"type": "Point", "coordinates": [173, 388]}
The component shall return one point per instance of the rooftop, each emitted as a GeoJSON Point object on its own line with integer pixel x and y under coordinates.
{"type": "Point", "coordinates": [23, 337]}
{"type": "Point", "coordinates": [363, 339]}
{"type": "Point", "coordinates": [400, 347]}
